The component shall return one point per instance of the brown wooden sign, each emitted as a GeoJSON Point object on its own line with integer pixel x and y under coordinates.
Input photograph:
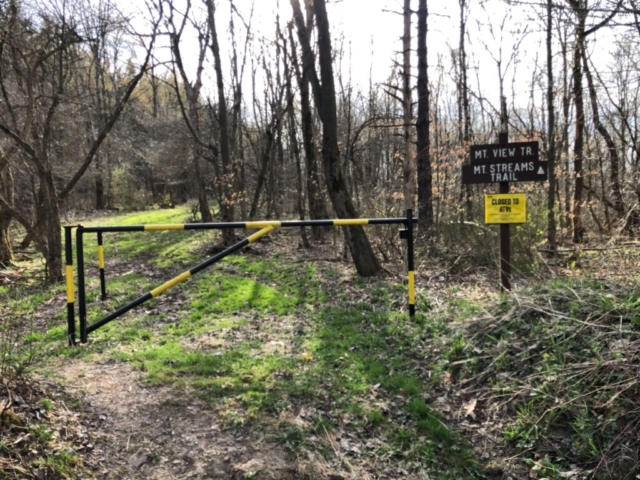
{"type": "Point", "coordinates": [493, 171]}
{"type": "Point", "coordinates": [510, 152]}
{"type": "Point", "coordinates": [510, 162]}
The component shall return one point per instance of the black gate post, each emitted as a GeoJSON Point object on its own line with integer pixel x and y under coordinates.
{"type": "Point", "coordinates": [410, 266]}
{"type": "Point", "coordinates": [103, 286]}
{"type": "Point", "coordinates": [82, 301]}
{"type": "Point", "coordinates": [71, 321]}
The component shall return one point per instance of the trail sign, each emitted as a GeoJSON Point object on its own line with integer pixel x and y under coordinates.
{"type": "Point", "coordinates": [509, 152]}
{"type": "Point", "coordinates": [505, 208]}
{"type": "Point", "coordinates": [509, 162]}
{"type": "Point", "coordinates": [504, 171]}
{"type": "Point", "coordinates": [502, 163]}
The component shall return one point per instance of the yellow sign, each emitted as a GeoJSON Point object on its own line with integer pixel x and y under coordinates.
{"type": "Point", "coordinates": [505, 208]}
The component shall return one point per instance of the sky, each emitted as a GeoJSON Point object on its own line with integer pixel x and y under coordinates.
{"type": "Point", "coordinates": [370, 32]}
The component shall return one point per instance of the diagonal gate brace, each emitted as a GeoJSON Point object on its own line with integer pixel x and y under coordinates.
{"type": "Point", "coordinates": [171, 283]}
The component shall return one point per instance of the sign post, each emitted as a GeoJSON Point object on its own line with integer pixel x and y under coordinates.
{"type": "Point", "coordinates": [503, 163]}
{"type": "Point", "coordinates": [505, 235]}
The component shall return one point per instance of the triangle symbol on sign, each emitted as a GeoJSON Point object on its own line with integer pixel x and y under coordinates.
{"type": "Point", "coordinates": [540, 171]}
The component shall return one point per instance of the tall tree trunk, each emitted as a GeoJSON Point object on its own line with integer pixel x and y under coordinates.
{"type": "Point", "coordinates": [7, 192]}
{"type": "Point", "coordinates": [54, 236]}
{"type": "Point", "coordinates": [192, 92]}
{"type": "Point", "coordinates": [566, 109]}
{"type": "Point", "coordinates": [294, 147]}
{"type": "Point", "coordinates": [100, 196]}
{"type": "Point", "coordinates": [409, 170]}
{"type": "Point", "coordinates": [578, 145]}
{"type": "Point", "coordinates": [464, 101]}
{"type": "Point", "coordinates": [226, 207]}
{"type": "Point", "coordinates": [315, 196]}
{"type": "Point", "coordinates": [614, 158]}
{"type": "Point", "coordinates": [551, 134]}
{"type": "Point", "coordinates": [425, 195]}
{"type": "Point", "coordinates": [264, 165]}
{"type": "Point", "coordinates": [325, 98]}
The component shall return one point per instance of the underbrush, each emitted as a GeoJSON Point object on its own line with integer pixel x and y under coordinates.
{"type": "Point", "coordinates": [30, 444]}
{"type": "Point", "coordinates": [554, 370]}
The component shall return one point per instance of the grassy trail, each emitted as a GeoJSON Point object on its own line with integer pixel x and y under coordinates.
{"type": "Point", "coordinates": [275, 345]}
{"type": "Point", "coordinates": [282, 363]}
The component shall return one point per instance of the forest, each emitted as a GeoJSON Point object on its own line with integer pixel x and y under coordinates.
{"type": "Point", "coordinates": [299, 352]}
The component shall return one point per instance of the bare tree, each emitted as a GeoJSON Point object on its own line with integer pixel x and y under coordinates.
{"type": "Point", "coordinates": [425, 195]}
{"type": "Point", "coordinates": [580, 10]}
{"type": "Point", "coordinates": [7, 192]}
{"type": "Point", "coordinates": [409, 170]}
{"type": "Point", "coordinates": [551, 134]}
{"type": "Point", "coordinates": [225, 181]}
{"type": "Point", "coordinates": [325, 99]}
{"type": "Point", "coordinates": [315, 196]}
{"type": "Point", "coordinates": [41, 62]}
{"type": "Point", "coordinates": [192, 92]}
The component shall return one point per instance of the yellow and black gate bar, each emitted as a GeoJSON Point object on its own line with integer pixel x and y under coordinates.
{"type": "Point", "coordinates": [264, 227]}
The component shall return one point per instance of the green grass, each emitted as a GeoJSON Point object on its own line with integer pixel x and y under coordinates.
{"type": "Point", "coordinates": [258, 336]}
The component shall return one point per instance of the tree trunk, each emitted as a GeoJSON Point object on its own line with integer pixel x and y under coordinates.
{"type": "Point", "coordinates": [578, 146]}
{"type": "Point", "coordinates": [325, 97]}
{"type": "Point", "coordinates": [226, 206]}
{"type": "Point", "coordinates": [262, 175]}
{"type": "Point", "coordinates": [464, 103]}
{"type": "Point", "coordinates": [192, 92]}
{"type": "Point", "coordinates": [409, 171]}
{"type": "Point", "coordinates": [425, 195]}
{"type": "Point", "coordinates": [6, 191]}
{"type": "Point", "coordinates": [608, 140]}
{"type": "Point", "coordinates": [100, 197]}
{"type": "Point", "coordinates": [551, 125]}
{"type": "Point", "coordinates": [315, 197]}
{"type": "Point", "coordinates": [48, 211]}
{"type": "Point", "coordinates": [566, 109]}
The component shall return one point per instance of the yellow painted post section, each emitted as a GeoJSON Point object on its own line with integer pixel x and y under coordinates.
{"type": "Point", "coordinates": [412, 288]}
{"type": "Point", "coordinates": [70, 292]}
{"type": "Point", "coordinates": [259, 234]}
{"type": "Point", "coordinates": [101, 256]}
{"type": "Point", "coordinates": [351, 221]}
{"type": "Point", "coordinates": [263, 224]}
{"type": "Point", "coordinates": [171, 283]}
{"type": "Point", "coordinates": [162, 227]}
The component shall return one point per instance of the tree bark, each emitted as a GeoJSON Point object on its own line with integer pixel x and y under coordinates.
{"type": "Point", "coordinates": [608, 140]}
{"type": "Point", "coordinates": [192, 92]}
{"type": "Point", "coordinates": [551, 134]}
{"type": "Point", "coordinates": [315, 196]}
{"type": "Point", "coordinates": [226, 207]}
{"type": "Point", "coordinates": [409, 171]}
{"type": "Point", "coordinates": [578, 145]}
{"type": "Point", "coordinates": [7, 192]}
{"type": "Point", "coordinates": [464, 102]}
{"type": "Point", "coordinates": [425, 195]}
{"type": "Point", "coordinates": [325, 98]}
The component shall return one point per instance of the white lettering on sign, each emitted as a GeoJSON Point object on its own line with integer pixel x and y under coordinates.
{"type": "Point", "coordinates": [480, 154]}
{"type": "Point", "coordinates": [526, 151]}
{"type": "Point", "coordinates": [506, 172]}
{"type": "Point", "coordinates": [504, 152]}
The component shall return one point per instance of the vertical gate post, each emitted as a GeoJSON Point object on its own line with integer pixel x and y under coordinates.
{"type": "Point", "coordinates": [103, 286]}
{"type": "Point", "coordinates": [82, 301]}
{"type": "Point", "coordinates": [410, 267]}
{"type": "Point", "coordinates": [71, 321]}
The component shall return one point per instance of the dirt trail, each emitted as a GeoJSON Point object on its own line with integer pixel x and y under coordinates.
{"type": "Point", "coordinates": [148, 432]}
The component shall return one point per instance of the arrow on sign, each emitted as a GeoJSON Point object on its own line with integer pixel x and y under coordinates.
{"type": "Point", "coordinates": [541, 171]}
